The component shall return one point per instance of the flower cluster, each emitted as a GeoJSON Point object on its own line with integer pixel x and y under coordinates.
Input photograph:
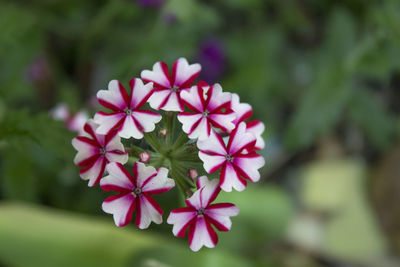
{"type": "Point", "coordinates": [216, 139]}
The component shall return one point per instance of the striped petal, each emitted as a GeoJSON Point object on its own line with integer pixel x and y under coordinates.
{"type": "Point", "coordinates": [240, 139]}
{"type": "Point", "coordinates": [129, 129]}
{"type": "Point", "coordinates": [158, 184]}
{"type": "Point", "coordinates": [216, 99]}
{"type": "Point", "coordinates": [159, 75]}
{"type": "Point", "coordinates": [256, 128]}
{"type": "Point", "coordinates": [189, 121]}
{"type": "Point", "coordinates": [243, 111]}
{"type": "Point", "coordinates": [212, 145]}
{"type": "Point", "coordinates": [193, 98]}
{"type": "Point", "coordinates": [184, 74]}
{"type": "Point", "coordinates": [181, 218]}
{"type": "Point", "coordinates": [202, 234]}
{"type": "Point", "coordinates": [230, 178]}
{"type": "Point", "coordinates": [121, 207]}
{"type": "Point", "coordinates": [248, 165]}
{"type": "Point", "coordinates": [108, 122]}
{"type": "Point", "coordinates": [210, 190]}
{"type": "Point", "coordinates": [219, 214]}
{"type": "Point", "coordinates": [146, 119]}
{"type": "Point", "coordinates": [94, 171]}
{"type": "Point", "coordinates": [140, 93]}
{"type": "Point", "coordinates": [86, 149]}
{"type": "Point", "coordinates": [118, 179]}
{"type": "Point", "coordinates": [147, 211]}
{"type": "Point", "coordinates": [211, 163]}
{"type": "Point", "coordinates": [115, 98]}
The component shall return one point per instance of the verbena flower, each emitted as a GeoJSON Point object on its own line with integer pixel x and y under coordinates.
{"type": "Point", "coordinates": [73, 122]}
{"type": "Point", "coordinates": [126, 115]}
{"type": "Point", "coordinates": [200, 214]}
{"type": "Point", "coordinates": [208, 104]}
{"type": "Point", "coordinates": [233, 159]}
{"type": "Point", "coordinates": [168, 87]}
{"type": "Point", "coordinates": [95, 151]}
{"type": "Point", "coordinates": [206, 115]}
{"type": "Point", "coordinates": [134, 193]}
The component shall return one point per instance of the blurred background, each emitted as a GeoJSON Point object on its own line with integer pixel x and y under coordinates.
{"type": "Point", "coordinates": [324, 77]}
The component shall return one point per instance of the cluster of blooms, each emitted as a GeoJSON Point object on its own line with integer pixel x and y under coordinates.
{"type": "Point", "coordinates": [226, 144]}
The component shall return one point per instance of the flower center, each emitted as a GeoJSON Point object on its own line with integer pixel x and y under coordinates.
{"type": "Point", "coordinates": [200, 211]}
{"type": "Point", "coordinates": [128, 112]}
{"type": "Point", "coordinates": [205, 113]}
{"type": "Point", "coordinates": [137, 191]}
{"type": "Point", "coordinates": [102, 151]}
{"type": "Point", "coordinates": [229, 158]}
{"type": "Point", "coordinates": [174, 89]}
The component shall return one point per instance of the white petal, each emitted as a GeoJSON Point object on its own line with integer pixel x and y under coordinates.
{"type": "Point", "coordinates": [120, 207]}
{"type": "Point", "coordinates": [195, 200]}
{"type": "Point", "coordinates": [113, 95]}
{"type": "Point", "coordinates": [172, 103]}
{"type": "Point", "coordinates": [201, 131]}
{"type": "Point", "coordinates": [180, 218]}
{"type": "Point", "coordinates": [117, 176]}
{"type": "Point", "coordinates": [60, 112]}
{"type": "Point", "coordinates": [218, 97]}
{"type": "Point", "coordinates": [213, 143]}
{"type": "Point", "coordinates": [250, 166]}
{"type": "Point", "coordinates": [143, 172]}
{"type": "Point", "coordinates": [147, 213]}
{"type": "Point", "coordinates": [184, 71]}
{"type": "Point", "coordinates": [230, 179]}
{"type": "Point", "coordinates": [188, 120]}
{"type": "Point", "coordinates": [221, 212]}
{"type": "Point", "coordinates": [85, 150]}
{"type": "Point", "coordinates": [157, 75]}
{"type": "Point", "coordinates": [210, 190]}
{"type": "Point", "coordinates": [201, 236]}
{"type": "Point", "coordinates": [115, 150]}
{"type": "Point", "coordinates": [240, 138]}
{"type": "Point", "coordinates": [257, 128]}
{"type": "Point", "coordinates": [130, 129]}
{"type": "Point", "coordinates": [147, 119]}
{"type": "Point", "coordinates": [140, 92]}
{"type": "Point", "coordinates": [192, 96]}
{"type": "Point", "coordinates": [159, 183]}
{"type": "Point", "coordinates": [107, 121]}
{"type": "Point", "coordinates": [94, 172]}
{"type": "Point", "coordinates": [158, 98]}
{"type": "Point", "coordinates": [224, 120]}
{"type": "Point", "coordinates": [211, 163]}
{"type": "Point", "coordinates": [242, 110]}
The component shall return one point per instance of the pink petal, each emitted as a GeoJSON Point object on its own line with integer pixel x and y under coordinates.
{"type": "Point", "coordinates": [211, 163]}
{"type": "Point", "coordinates": [121, 206]}
{"type": "Point", "coordinates": [184, 74]}
{"type": "Point", "coordinates": [193, 99]}
{"type": "Point", "coordinates": [210, 190]}
{"type": "Point", "coordinates": [188, 120]}
{"type": "Point", "coordinates": [114, 98]}
{"type": "Point", "coordinates": [142, 173]}
{"type": "Point", "coordinates": [108, 122]}
{"type": "Point", "coordinates": [243, 111]}
{"type": "Point", "coordinates": [159, 75]}
{"type": "Point", "coordinates": [90, 129]}
{"type": "Point", "coordinates": [201, 234]}
{"type": "Point", "coordinates": [117, 156]}
{"type": "Point", "coordinates": [217, 99]}
{"type": "Point", "coordinates": [256, 128]}
{"type": "Point", "coordinates": [213, 145]}
{"type": "Point", "coordinates": [248, 165]}
{"type": "Point", "coordinates": [115, 149]}
{"type": "Point", "coordinates": [140, 93]}
{"type": "Point", "coordinates": [146, 119]}
{"type": "Point", "coordinates": [118, 179]}
{"type": "Point", "coordinates": [60, 112]}
{"type": "Point", "coordinates": [129, 129]}
{"type": "Point", "coordinates": [93, 172]}
{"type": "Point", "coordinates": [158, 184]}
{"type": "Point", "coordinates": [86, 149]}
{"type": "Point", "coordinates": [181, 218]}
{"type": "Point", "coordinates": [147, 211]}
{"type": "Point", "coordinates": [77, 122]}
{"type": "Point", "coordinates": [229, 178]}
{"type": "Point", "coordinates": [240, 139]}
{"type": "Point", "coordinates": [223, 121]}
{"type": "Point", "coordinates": [219, 214]}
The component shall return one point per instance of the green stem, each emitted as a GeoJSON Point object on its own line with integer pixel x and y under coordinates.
{"type": "Point", "coordinates": [152, 140]}
{"type": "Point", "coordinates": [182, 139]}
{"type": "Point", "coordinates": [169, 125]}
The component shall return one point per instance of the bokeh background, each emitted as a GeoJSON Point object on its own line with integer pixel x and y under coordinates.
{"type": "Point", "coordinates": [324, 77]}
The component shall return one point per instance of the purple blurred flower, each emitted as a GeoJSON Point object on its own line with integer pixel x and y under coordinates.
{"type": "Point", "coordinates": [38, 70]}
{"type": "Point", "coordinates": [150, 3]}
{"type": "Point", "coordinates": [211, 56]}
{"type": "Point", "coordinates": [169, 18]}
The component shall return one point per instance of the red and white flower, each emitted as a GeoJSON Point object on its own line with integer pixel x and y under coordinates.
{"type": "Point", "coordinates": [126, 116]}
{"type": "Point", "coordinates": [95, 151]}
{"type": "Point", "coordinates": [73, 122]}
{"type": "Point", "coordinates": [236, 160]}
{"type": "Point", "coordinates": [208, 104]}
{"type": "Point", "coordinates": [168, 88]}
{"type": "Point", "coordinates": [243, 111]}
{"type": "Point", "coordinates": [134, 193]}
{"type": "Point", "coordinates": [200, 215]}
{"type": "Point", "coordinates": [256, 128]}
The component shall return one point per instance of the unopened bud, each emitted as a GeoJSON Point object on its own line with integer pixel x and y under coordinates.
{"type": "Point", "coordinates": [144, 157]}
{"type": "Point", "coordinates": [163, 132]}
{"type": "Point", "coordinates": [192, 173]}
